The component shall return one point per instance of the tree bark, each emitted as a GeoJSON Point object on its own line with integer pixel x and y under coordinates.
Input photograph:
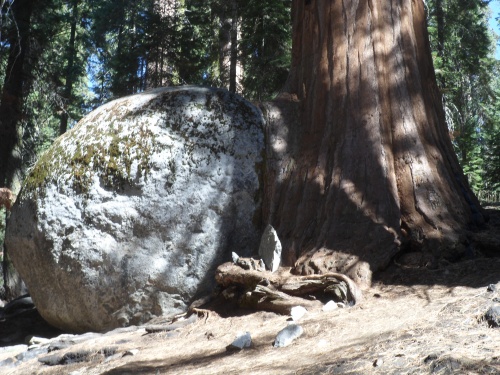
{"type": "Point", "coordinates": [440, 33]}
{"type": "Point", "coordinates": [234, 47]}
{"type": "Point", "coordinates": [440, 26]}
{"type": "Point", "coordinates": [11, 101]}
{"type": "Point", "coordinates": [70, 74]}
{"type": "Point", "coordinates": [225, 47]}
{"type": "Point", "coordinates": [368, 169]}
{"type": "Point", "coordinates": [11, 109]}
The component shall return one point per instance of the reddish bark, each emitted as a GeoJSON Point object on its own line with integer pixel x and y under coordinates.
{"type": "Point", "coordinates": [369, 170]}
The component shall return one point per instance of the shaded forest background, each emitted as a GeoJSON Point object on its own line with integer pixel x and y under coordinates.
{"type": "Point", "coordinates": [61, 59]}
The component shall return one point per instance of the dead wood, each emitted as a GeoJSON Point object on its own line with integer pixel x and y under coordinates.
{"type": "Point", "coordinates": [265, 298]}
{"type": "Point", "coordinates": [154, 328]}
{"type": "Point", "coordinates": [280, 291]}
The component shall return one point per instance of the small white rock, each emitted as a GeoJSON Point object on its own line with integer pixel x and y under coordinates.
{"type": "Point", "coordinates": [322, 343]}
{"type": "Point", "coordinates": [297, 312]}
{"type": "Point", "coordinates": [242, 341]}
{"type": "Point", "coordinates": [38, 341]}
{"type": "Point", "coordinates": [378, 362]}
{"type": "Point", "coordinates": [14, 348]}
{"type": "Point", "coordinates": [131, 352]}
{"type": "Point", "coordinates": [330, 306]}
{"type": "Point", "coordinates": [287, 335]}
{"type": "Point", "coordinates": [270, 249]}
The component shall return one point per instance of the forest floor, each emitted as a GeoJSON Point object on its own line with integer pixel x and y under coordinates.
{"type": "Point", "coordinates": [412, 321]}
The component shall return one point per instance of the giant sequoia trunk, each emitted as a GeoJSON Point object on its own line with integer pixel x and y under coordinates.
{"type": "Point", "coordinates": [367, 170]}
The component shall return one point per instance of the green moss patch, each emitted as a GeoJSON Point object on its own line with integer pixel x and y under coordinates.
{"type": "Point", "coordinates": [110, 156]}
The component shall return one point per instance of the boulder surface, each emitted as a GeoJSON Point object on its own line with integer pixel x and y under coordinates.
{"type": "Point", "coordinates": [127, 215]}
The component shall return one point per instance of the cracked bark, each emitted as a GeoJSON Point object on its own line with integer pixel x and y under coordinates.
{"type": "Point", "coordinates": [370, 153]}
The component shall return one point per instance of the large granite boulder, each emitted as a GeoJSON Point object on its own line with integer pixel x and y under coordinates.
{"type": "Point", "coordinates": [127, 215]}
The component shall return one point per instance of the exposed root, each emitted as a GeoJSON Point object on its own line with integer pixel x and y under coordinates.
{"type": "Point", "coordinates": [280, 291]}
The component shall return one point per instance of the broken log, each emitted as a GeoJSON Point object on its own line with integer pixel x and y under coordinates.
{"type": "Point", "coordinates": [265, 298]}
{"type": "Point", "coordinates": [280, 291]}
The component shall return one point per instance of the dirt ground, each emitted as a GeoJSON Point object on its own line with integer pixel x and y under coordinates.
{"type": "Point", "coordinates": [412, 321]}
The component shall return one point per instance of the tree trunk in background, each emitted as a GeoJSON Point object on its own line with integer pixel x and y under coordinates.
{"type": "Point", "coordinates": [440, 26]}
{"type": "Point", "coordinates": [11, 109]}
{"type": "Point", "coordinates": [234, 47]}
{"type": "Point", "coordinates": [68, 88]}
{"type": "Point", "coordinates": [224, 47]}
{"type": "Point", "coordinates": [440, 34]}
{"type": "Point", "coordinates": [11, 101]}
{"type": "Point", "coordinates": [371, 170]}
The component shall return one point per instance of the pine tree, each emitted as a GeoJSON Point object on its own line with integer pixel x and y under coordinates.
{"type": "Point", "coordinates": [461, 46]}
{"type": "Point", "coordinates": [265, 47]}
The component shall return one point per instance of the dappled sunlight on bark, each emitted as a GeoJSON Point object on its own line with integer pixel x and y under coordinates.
{"type": "Point", "coordinates": [371, 171]}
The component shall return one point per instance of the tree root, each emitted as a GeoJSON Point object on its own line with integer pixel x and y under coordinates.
{"type": "Point", "coordinates": [280, 291]}
{"type": "Point", "coordinates": [155, 328]}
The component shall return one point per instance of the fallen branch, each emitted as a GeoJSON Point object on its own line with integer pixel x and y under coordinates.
{"type": "Point", "coordinates": [154, 328]}
{"type": "Point", "coordinates": [264, 298]}
{"type": "Point", "coordinates": [280, 291]}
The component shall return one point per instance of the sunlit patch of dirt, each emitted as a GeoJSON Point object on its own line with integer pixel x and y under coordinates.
{"type": "Point", "coordinates": [415, 328]}
{"type": "Point", "coordinates": [412, 321]}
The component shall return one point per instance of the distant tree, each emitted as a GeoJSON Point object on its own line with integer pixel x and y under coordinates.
{"type": "Point", "coordinates": [14, 88]}
{"type": "Point", "coordinates": [491, 135]}
{"type": "Point", "coordinates": [265, 47]}
{"type": "Point", "coordinates": [119, 32]}
{"type": "Point", "coordinates": [70, 67]}
{"type": "Point", "coordinates": [164, 46]}
{"type": "Point", "coordinates": [461, 46]}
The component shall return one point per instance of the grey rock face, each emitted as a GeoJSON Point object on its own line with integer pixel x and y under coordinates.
{"type": "Point", "coordinates": [270, 249]}
{"type": "Point", "coordinates": [127, 215]}
{"type": "Point", "coordinates": [287, 335]}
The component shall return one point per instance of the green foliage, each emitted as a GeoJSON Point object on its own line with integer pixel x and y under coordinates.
{"type": "Point", "coordinates": [119, 34]}
{"type": "Point", "coordinates": [198, 60]}
{"type": "Point", "coordinates": [265, 47]}
{"type": "Point", "coordinates": [465, 72]}
{"type": "Point", "coordinates": [492, 159]}
{"type": "Point", "coordinates": [45, 101]}
{"type": "Point", "coordinates": [491, 149]}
